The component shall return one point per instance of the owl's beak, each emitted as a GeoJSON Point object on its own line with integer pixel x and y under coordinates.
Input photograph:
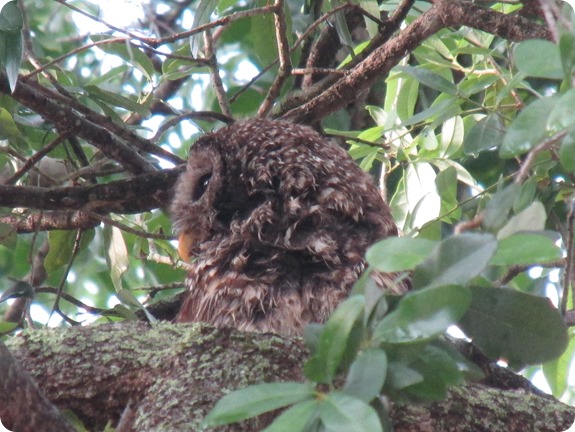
{"type": "Point", "coordinates": [185, 241]}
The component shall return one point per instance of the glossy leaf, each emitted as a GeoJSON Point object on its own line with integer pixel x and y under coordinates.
{"type": "Point", "coordinates": [202, 16]}
{"type": "Point", "coordinates": [366, 375]}
{"type": "Point", "coordinates": [334, 340]}
{"type": "Point", "coordinates": [257, 399]}
{"type": "Point", "coordinates": [297, 418]}
{"type": "Point", "coordinates": [456, 260]}
{"type": "Point", "coordinates": [430, 79]}
{"type": "Point", "coordinates": [439, 371]}
{"type": "Point", "coordinates": [531, 218]}
{"type": "Point", "coordinates": [343, 413]}
{"type": "Point", "coordinates": [423, 314]}
{"type": "Point", "coordinates": [526, 248]}
{"type": "Point", "coordinates": [539, 58]}
{"type": "Point", "coordinates": [519, 327]}
{"type": "Point", "coordinates": [11, 20]}
{"type": "Point", "coordinates": [487, 133]}
{"type": "Point", "coordinates": [529, 128]}
{"type": "Point", "coordinates": [399, 253]}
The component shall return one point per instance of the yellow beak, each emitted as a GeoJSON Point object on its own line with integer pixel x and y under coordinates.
{"type": "Point", "coordinates": [185, 241]}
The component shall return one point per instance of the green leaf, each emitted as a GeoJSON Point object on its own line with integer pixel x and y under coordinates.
{"type": "Point", "coordinates": [519, 327]}
{"type": "Point", "coordinates": [499, 206]}
{"type": "Point", "coordinates": [396, 254]}
{"type": "Point", "coordinates": [539, 58]}
{"type": "Point", "coordinates": [13, 47]}
{"type": "Point", "coordinates": [8, 235]}
{"type": "Point", "coordinates": [561, 116]}
{"type": "Point", "coordinates": [297, 418]}
{"type": "Point", "coordinates": [423, 314]}
{"type": "Point", "coordinates": [557, 371]}
{"type": "Point", "coordinates": [400, 376]}
{"type": "Point", "coordinates": [127, 297]}
{"type": "Point", "coordinates": [485, 134]}
{"type": "Point", "coordinates": [334, 341]}
{"type": "Point", "coordinates": [567, 153]}
{"type": "Point", "coordinates": [8, 127]}
{"type": "Point", "coordinates": [456, 261]}
{"type": "Point", "coordinates": [342, 413]}
{"type": "Point", "coordinates": [129, 53]}
{"type": "Point", "coordinates": [452, 133]}
{"type": "Point", "coordinates": [439, 371]}
{"type": "Point", "coordinates": [61, 247]}
{"type": "Point", "coordinates": [257, 399]}
{"type": "Point", "coordinates": [11, 20]}
{"type": "Point", "coordinates": [526, 248]}
{"type": "Point", "coordinates": [529, 128]}
{"type": "Point", "coordinates": [430, 79]}
{"type": "Point", "coordinates": [201, 17]}
{"type": "Point", "coordinates": [531, 218]}
{"type": "Point", "coordinates": [117, 100]}
{"type": "Point", "coordinates": [116, 255]}
{"type": "Point", "coordinates": [366, 375]}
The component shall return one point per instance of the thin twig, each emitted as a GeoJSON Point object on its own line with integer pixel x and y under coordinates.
{"type": "Point", "coordinates": [284, 59]}
{"type": "Point", "coordinates": [215, 74]}
{"type": "Point", "coordinates": [35, 158]}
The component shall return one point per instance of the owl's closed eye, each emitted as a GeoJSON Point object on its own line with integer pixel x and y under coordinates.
{"type": "Point", "coordinates": [275, 221]}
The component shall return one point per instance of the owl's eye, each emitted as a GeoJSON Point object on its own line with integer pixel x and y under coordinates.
{"type": "Point", "coordinates": [201, 186]}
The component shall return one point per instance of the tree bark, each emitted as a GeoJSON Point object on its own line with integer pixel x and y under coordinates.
{"type": "Point", "coordinates": [167, 377]}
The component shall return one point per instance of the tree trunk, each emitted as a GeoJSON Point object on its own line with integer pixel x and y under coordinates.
{"type": "Point", "coordinates": [167, 377]}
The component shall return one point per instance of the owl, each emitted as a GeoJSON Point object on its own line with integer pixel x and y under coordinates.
{"type": "Point", "coordinates": [275, 221]}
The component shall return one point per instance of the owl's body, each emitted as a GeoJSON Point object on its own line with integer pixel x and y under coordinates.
{"type": "Point", "coordinates": [276, 221]}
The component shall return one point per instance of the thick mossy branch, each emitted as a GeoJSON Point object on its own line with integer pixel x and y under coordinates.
{"type": "Point", "coordinates": [173, 374]}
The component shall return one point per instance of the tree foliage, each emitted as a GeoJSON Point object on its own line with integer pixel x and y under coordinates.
{"type": "Point", "coordinates": [460, 109]}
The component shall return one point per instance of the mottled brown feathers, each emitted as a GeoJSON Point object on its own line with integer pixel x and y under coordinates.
{"type": "Point", "coordinates": [276, 221]}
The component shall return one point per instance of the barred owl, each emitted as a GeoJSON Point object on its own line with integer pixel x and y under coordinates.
{"type": "Point", "coordinates": [275, 221]}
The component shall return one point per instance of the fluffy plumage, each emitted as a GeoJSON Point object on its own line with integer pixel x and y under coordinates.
{"type": "Point", "coordinates": [276, 221]}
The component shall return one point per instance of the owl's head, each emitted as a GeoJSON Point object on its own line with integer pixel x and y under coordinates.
{"type": "Point", "coordinates": [261, 187]}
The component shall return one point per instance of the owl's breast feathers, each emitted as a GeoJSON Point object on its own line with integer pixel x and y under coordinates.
{"type": "Point", "coordinates": [291, 250]}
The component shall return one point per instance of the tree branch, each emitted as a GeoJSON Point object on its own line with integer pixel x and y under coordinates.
{"type": "Point", "coordinates": [443, 13]}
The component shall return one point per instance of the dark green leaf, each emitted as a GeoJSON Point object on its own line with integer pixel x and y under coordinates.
{"type": "Point", "coordinates": [11, 20]}
{"type": "Point", "coordinates": [366, 375]}
{"type": "Point", "coordinates": [117, 100]}
{"type": "Point", "coordinates": [456, 261]}
{"type": "Point", "coordinates": [342, 413]}
{"type": "Point", "coordinates": [526, 248]}
{"type": "Point", "coordinates": [399, 253]}
{"type": "Point", "coordinates": [499, 206]}
{"type": "Point", "coordinates": [257, 399]}
{"type": "Point", "coordinates": [519, 327]}
{"type": "Point", "coordinates": [439, 371]}
{"type": "Point", "coordinates": [400, 376]}
{"type": "Point", "coordinates": [430, 79]}
{"type": "Point", "coordinates": [485, 134]}
{"type": "Point", "coordinates": [529, 128]}
{"type": "Point", "coordinates": [61, 247]}
{"type": "Point", "coordinates": [423, 314]}
{"type": "Point", "coordinates": [334, 340]}
{"type": "Point", "coordinates": [297, 418]}
{"type": "Point", "coordinates": [561, 116]}
{"type": "Point", "coordinates": [539, 58]}
{"type": "Point", "coordinates": [12, 57]}
{"type": "Point", "coordinates": [567, 153]}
